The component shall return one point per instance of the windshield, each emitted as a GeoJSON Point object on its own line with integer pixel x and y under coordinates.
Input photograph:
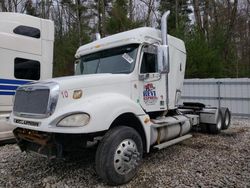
{"type": "Point", "coordinates": [115, 61]}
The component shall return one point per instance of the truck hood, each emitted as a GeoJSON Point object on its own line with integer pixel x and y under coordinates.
{"type": "Point", "coordinates": [91, 80]}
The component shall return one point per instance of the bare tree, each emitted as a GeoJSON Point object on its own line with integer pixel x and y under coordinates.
{"type": "Point", "coordinates": [3, 7]}
{"type": "Point", "coordinates": [197, 14]}
{"type": "Point", "coordinates": [101, 17]}
{"type": "Point", "coordinates": [151, 11]}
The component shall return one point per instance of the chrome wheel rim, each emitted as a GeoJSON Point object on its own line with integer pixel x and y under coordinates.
{"type": "Point", "coordinates": [219, 123]}
{"type": "Point", "coordinates": [227, 119]}
{"type": "Point", "coordinates": [126, 157]}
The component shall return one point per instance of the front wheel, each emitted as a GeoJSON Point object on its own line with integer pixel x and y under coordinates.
{"type": "Point", "coordinates": [119, 155]}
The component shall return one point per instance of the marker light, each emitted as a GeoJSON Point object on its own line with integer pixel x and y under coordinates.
{"type": "Point", "coordinates": [77, 94]}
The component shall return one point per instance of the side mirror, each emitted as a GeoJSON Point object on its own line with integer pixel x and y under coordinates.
{"type": "Point", "coordinates": [163, 58]}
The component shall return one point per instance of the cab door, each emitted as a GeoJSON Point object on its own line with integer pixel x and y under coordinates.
{"type": "Point", "coordinates": [152, 84]}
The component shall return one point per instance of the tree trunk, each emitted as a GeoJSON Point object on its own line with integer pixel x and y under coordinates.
{"type": "Point", "coordinates": [59, 18]}
{"type": "Point", "coordinates": [101, 17]}
{"type": "Point", "coordinates": [205, 20]}
{"type": "Point", "coordinates": [215, 14]}
{"type": "Point", "coordinates": [3, 7]}
{"type": "Point", "coordinates": [150, 7]}
{"type": "Point", "coordinates": [229, 32]}
{"type": "Point", "coordinates": [47, 8]}
{"type": "Point", "coordinates": [197, 14]}
{"type": "Point", "coordinates": [15, 5]}
{"type": "Point", "coordinates": [10, 6]}
{"type": "Point", "coordinates": [131, 10]}
{"type": "Point", "coordinates": [176, 14]}
{"type": "Point", "coordinates": [78, 3]}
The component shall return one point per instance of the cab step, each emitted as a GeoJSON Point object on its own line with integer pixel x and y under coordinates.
{"type": "Point", "coordinates": [172, 142]}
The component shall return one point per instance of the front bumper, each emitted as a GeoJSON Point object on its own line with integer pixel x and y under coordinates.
{"type": "Point", "coordinates": [39, 142]}
{"type": "Point", "coordinates": [52, 145]}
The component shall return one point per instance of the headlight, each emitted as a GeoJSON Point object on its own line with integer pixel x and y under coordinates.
{"type": "Point", "coordinates": [74, 120]}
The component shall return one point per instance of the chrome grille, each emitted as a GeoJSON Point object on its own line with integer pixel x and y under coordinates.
{"type": "Point", "coordinates": [34, 102]}
{"type": "Point", "coordinates": [37, 101]}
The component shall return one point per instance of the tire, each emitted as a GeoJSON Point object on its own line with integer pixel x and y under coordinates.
{"type": "Point", "coordinates": [216, 128]}
{"type": "Point", "coordinates": [226, 119]}
{"type": "Point", "coordinates": [118, 155]}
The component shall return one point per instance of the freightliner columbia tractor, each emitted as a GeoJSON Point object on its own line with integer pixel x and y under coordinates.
{"type": "Point", "coordinates": [124, 97]}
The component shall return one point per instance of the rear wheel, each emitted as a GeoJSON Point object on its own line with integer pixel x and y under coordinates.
{"type": "Point", "coordinates": [216, 128]}
{"type": "Point", "coordinates": [118, 155]}
{"type": "Point", "coordinates": [226, 119]}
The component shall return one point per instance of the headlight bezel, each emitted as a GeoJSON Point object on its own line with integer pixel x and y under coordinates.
{"type": "Point", "coordinates": [85, 117]}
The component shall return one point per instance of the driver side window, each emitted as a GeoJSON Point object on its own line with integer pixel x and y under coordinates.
{"type": "Point", "coordinates": [149, 60]}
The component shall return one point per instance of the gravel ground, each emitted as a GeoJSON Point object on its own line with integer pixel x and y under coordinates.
{"type": "Point", "coordinates": [203, 161]}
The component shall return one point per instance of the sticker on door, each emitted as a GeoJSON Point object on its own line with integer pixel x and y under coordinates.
{"type": "Point", "coordinates": [149, 94]}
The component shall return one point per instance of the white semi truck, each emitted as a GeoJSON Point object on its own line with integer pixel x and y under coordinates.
{"type": "Point", "coordinates": [26, 51]}
{"type": "Point", "coordinates": [124, 96]}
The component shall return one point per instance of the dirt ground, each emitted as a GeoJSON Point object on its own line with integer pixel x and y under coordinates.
{"type": "Point", "coordinates": [203, 161]}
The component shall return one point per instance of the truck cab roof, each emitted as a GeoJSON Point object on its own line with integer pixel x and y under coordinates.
{"type": "Point", "coordinates": [136, 36]}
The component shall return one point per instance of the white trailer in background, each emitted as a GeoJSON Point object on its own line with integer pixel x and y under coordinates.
{"type": "Point", "coordinates": [125, 97]}
{"type": "Point", "coordinates": [26, 51]}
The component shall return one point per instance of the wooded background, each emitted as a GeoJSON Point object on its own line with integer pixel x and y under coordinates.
{"type": "Point", "coordinates": [216, 32]}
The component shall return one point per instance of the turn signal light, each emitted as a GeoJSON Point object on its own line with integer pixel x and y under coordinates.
{"type": "Point", "coordinates": [77, 94]}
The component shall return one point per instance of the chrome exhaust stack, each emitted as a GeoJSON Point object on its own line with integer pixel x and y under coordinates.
{"type": "Point", "coordinates": [164, 28]}
{"type": "Point", "coordinates": [98, 36]}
